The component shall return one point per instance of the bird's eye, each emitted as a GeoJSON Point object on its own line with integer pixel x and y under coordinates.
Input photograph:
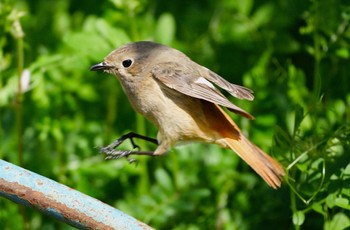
{"type": "Point", "coordinates": [126, 63]}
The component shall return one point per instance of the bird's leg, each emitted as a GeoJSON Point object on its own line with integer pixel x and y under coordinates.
{"type": "Point", "coordinates": [113, 153]}
{"type": "Point", "coordinates": [116, 154]}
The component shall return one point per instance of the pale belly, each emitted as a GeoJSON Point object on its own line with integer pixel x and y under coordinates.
{"type": "Point", "coordinates": [178, 117]}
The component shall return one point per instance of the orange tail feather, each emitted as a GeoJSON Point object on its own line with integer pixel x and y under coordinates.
{"type": "Point", "coordinates": [262, 163]}
{"type": "Point", "coordinates": [268, 168]}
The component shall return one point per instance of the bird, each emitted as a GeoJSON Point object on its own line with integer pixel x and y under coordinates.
{"type": "Point", "coordinates": [182, 99]}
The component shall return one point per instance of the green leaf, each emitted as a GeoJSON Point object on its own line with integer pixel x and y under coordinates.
{"type": "Point", "coordinates": [342, 53]}
{"type": "Point", "coordinates": [330, 200]}
{"type": "Point", "coordinates": [339, 221]}
{"type": "Point", "coordinates": [346, 178]}
{"type": "Point", "coordinates": [244, 7]}
{"type": "Point", "coordinates": [165, 31]}
{"type": "Point", "coordinates": [263, 15]}
{"type": "Point", "coordinates": [282, 137]}
{"type": "Point", "coordinates": [342, 202]}
{"type": "Point", "coordinates": [299, 116]}
{"type": "Point", "coordinates": [164, 179]}
{"type": "Point", "coordinates": [199, 193]}
{"type": "Point", "coordinates": [318, 208]}
{"type": "Point", "coordinates": [115, 36]}
{"type": "Point", "coordinates": [298, 218]}
{"type": "Point", "coordinates": [84, 43]}
{"type": "Point", "coordinates": [347, 170]}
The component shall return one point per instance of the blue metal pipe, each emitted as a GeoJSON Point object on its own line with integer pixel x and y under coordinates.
{"type": "Point", "coordinates": [61, 202]}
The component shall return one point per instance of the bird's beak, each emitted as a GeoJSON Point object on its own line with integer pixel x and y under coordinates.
{"type": "Point", "coordinates": [100, 66]}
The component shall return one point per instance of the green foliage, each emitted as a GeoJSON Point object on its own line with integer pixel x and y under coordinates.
{"type": "Point", "coordinates": [293, 54]}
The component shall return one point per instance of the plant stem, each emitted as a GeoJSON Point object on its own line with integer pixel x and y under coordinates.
{"type": "Point", "coordinates": [18, 34]}
{"type": "Point", "coordinates": [144, 181]}
{"type": "Point", "coordinates": [19, 100]}
{"type": "Point", "coordinates": [317, 53]}
{"type": "Point", "coordinates": [317, 69]}
{"type": "Point", "coordinates": [294, 207]}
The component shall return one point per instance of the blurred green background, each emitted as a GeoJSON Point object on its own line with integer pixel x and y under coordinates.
{"type": "Point", "coordinates": [295, 55]}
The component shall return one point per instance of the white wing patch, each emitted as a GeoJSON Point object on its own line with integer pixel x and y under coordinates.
{"type": "Point", "coordinates": [183, 79]}
{"type": "Point", "coordinates": [202, 80]}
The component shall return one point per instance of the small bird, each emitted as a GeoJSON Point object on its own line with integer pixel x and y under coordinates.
{"type": "Point", "coordinates": [180, 97]}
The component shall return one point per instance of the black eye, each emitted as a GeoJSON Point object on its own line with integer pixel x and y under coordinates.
{"type": "Point", "coordinates": [126, 63]}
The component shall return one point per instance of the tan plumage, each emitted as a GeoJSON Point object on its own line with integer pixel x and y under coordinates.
{"type": "Point", "coordinates": [179, 96]}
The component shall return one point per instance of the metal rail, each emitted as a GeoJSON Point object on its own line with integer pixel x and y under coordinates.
{"type": "Point", "coordinates": [61, 202]}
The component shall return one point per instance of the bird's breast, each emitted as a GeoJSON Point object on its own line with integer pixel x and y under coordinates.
{"type": "Point", "coordinates": [177, 116]}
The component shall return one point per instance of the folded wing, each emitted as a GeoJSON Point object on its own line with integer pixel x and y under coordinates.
{"type": "Point", "coordinates": [190, 82]}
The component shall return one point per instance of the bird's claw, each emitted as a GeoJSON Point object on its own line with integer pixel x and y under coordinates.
{"type": "Point", "coordinates": [116, 154]}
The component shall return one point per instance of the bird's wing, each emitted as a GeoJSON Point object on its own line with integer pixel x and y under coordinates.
{"type": "Point", "coordinates": [238, 91]}
{"type": "Point", "coordinates": [189, 82]}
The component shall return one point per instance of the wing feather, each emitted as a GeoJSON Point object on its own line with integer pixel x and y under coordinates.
{"type": "Point", "coordinates": [238, 91]}
{"type": "Point", "coordinates": [189, 82]}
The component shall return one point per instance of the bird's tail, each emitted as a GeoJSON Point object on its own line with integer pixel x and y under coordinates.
{"type": "Point", "coordinates": [268, 168]}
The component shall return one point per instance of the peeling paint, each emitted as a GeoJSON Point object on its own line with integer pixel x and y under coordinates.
{"type": "Point", "coordinates": [60, 201]}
